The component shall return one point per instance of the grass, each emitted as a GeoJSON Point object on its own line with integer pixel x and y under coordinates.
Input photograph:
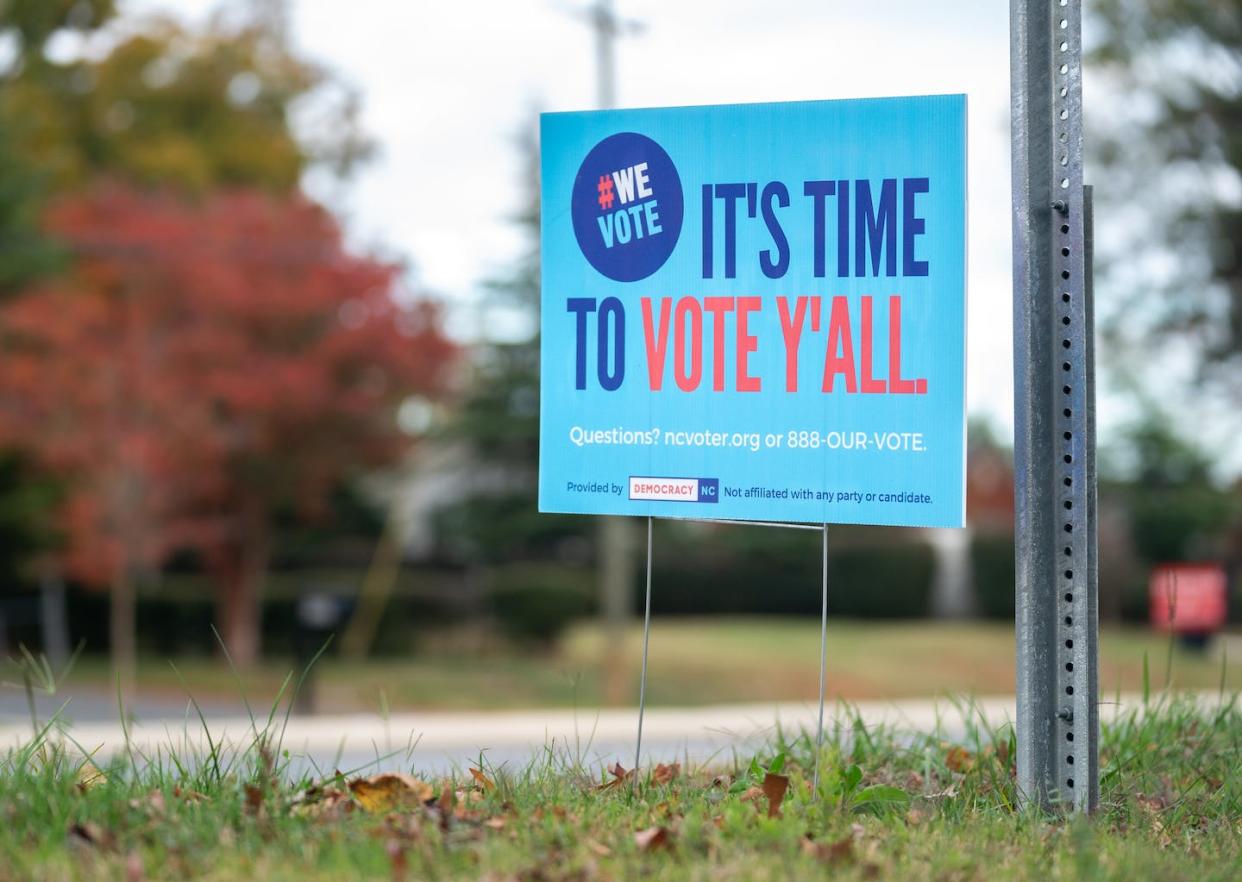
{"type": "Point", "coordinates": [693, 662]}
{"type": "Point", "coordinates": [890, 804]}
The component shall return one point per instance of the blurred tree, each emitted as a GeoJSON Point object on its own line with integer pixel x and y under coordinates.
{"type": "Point", "coordinates": [170, 107]}
{"type": "Point", "coordinates": [159, 107]}
{"type": "Point", "coordinates": [497, 521]}
{"type": "Point", "coordinates": [202, 364]}
{"type": "Point", "coordinates": [498, 418]}
{"type": "Point", "coordinates": [1177, 512]}
{"type": "Point", "coordinates": [1170, 157]}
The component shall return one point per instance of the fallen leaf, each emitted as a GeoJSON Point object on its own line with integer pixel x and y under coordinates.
{"type": "Point", "coordinates": [653, 838]}
{"type": "Point", "coordinates": [254, 799]}
{"type": "Point", "coordinates": [325, 805]}
{"type": "Point", "coordinates": [482, 780]}
{"type": "Point", "coordinates": [774, 788]}
{"type": "Point", "coordinates": [89, 775]}
{"type": "Point", "coordinates": [397, 859]}
{"type": "Point", "coordinates": [390, 791]}
{"type": "Point", "coordinates": [619, 776]}
{"type": "Point", "coordinates": [829, 852]}
{"type": "Point", "coordinates": [189, 795]}
{"type": "Point", "coordinates": [663, 774]}
{"type": "Point", "coordinates": [153, 803]}
{"type": "Point", "coordinates": [599, 849]}
{"type": "Point", "coordinates": [134, 870]}
{"type": "Point", "coordinates": [88, 833]}
{"type": "Point", "coordinates": [958, 759]}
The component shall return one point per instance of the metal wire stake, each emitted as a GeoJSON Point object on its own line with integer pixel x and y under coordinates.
{"type": "Point", "coordinates": [642, 683]}
{"type": "Point", "coordinates": [823, 664]}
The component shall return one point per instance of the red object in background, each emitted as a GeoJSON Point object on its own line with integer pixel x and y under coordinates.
{"type": "Point", "coordinates": [1187, 598]}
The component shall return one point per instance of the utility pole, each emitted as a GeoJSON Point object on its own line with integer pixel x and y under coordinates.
{"type": "Point", "coordinates": [1054, 413]}
{"type": "Point", "coordinates": [616, 534]}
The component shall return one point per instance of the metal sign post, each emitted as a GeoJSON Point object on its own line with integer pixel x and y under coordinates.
{"type": "Point", "coordinates": [1054, 413]}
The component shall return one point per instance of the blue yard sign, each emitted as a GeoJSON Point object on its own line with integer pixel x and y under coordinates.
{"type": "Point", "coordinates": [756, 312]}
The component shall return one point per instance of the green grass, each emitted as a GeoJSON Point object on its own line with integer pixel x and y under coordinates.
{"type": "Point", "coordinates": [693, 662]}
{"type": "Point", "coordinates": [890, 805]}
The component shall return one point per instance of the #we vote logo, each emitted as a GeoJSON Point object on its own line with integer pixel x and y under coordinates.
{"type": "Point", "coordinates": [627, 207]}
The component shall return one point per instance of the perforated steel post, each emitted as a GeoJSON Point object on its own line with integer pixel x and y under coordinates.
{"type": "Point", "coordinates": [1054, 413]}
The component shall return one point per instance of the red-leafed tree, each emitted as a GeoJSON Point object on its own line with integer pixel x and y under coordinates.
{"type": "Point", "coordinates": [201, 364]}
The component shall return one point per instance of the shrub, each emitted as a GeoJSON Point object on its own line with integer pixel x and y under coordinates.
{"type": "Point", "coordinates": [534, 603]}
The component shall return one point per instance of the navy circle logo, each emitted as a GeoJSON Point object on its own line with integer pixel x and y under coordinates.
{"type": "Point", "coordinates": [627, 207]}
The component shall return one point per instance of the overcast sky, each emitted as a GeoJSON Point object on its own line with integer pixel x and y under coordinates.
{"type": "Point", "coordinates": [446, 85]}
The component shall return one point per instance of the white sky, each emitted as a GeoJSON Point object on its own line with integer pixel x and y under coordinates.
{"type": "Point", "coordinates": [447, 85]}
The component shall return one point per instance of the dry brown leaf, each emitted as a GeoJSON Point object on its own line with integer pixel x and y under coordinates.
{"type": "Point", "coordinates": [598, 848]}
{"type": "Point", "coordinates": [829, 852]}
{"type": "Point", "coordinates": [774, 788]}
{"type": "Point", "coordinates": [664, 774]}
{"type": "Point", "coordinates": [619, 776]}
{"type": "Point", "coordinates": [482, 780]}
{"type": "Point", "coordinates": [254, 799]}
{"type": "Point", "coordinates": [958, 759]}
{"type": "Point", "coordinates": [390, 791]}
{"type": "Point", "coordinates": [397, 859]}
{"type": "Point", "coordinates": [89, 775]}
{"type": "Point", "coordinates": [152, 803]}
{"type": "Point", "coordinates": [189, 795]}
{"type": "Point", "coordinates": [88, 833]}
{"type": "Point", "coordinates": [324, 805]}
{"type": "Point", "coordinates": [496, 823]}
{"type": "Point", "coordinates": [653, 838]}
{"type": "Point", "coordinates": [134, 870]}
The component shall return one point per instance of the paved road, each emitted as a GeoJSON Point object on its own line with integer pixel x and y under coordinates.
{"type": "Point", "coordinates": [439, 742]}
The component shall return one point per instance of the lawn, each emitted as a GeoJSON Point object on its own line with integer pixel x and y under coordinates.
{"type": "Point", "coordinates": [693, 662]}
{"type": "Point", "coordinates": [890, 805]}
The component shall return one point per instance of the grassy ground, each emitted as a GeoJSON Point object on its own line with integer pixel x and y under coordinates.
{"type": "Point", "coordinates": [693, 662]}
{"type": "Point", "coordinates": [890, 805]}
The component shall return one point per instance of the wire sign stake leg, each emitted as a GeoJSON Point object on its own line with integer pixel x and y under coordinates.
{"type": "Point", "coordinates": [823, 665]}
{"type": "Point", "coordinates": [642, 682]}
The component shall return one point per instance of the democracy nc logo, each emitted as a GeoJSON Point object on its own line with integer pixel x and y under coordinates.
{"type": "Point", "coordinates": [627, 207]}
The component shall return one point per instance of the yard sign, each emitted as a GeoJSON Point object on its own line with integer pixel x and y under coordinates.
{"type": "Point", "coordinates": [756, 312]}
